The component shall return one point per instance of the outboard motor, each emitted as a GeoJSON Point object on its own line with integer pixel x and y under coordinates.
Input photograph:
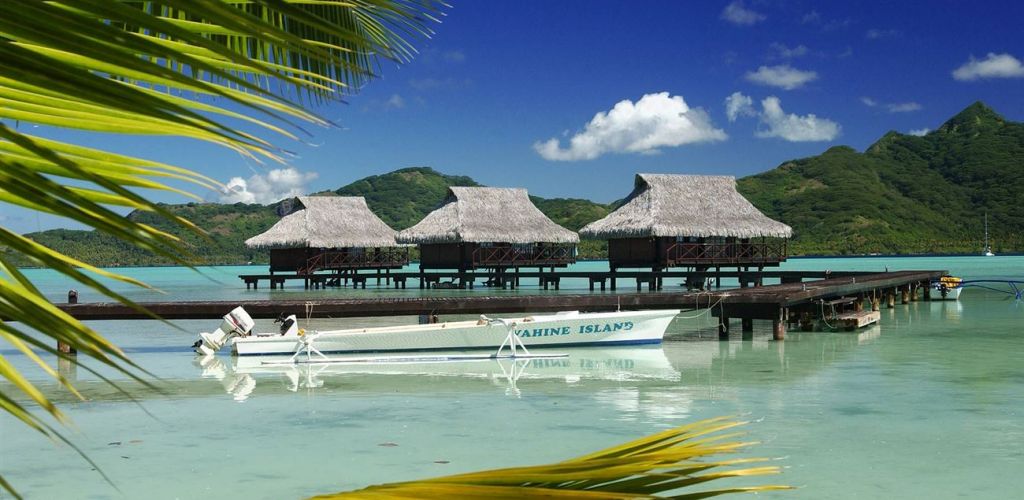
{"type": "Point", "coordinates": [236, 323]}
{"type": "Point", "coordinates": [289, 325]}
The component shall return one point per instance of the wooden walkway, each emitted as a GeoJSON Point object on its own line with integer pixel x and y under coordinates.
{"type": "Point", "coordinates": [779, 303]}
{"type": "Point", "coordinates": [544, 279]}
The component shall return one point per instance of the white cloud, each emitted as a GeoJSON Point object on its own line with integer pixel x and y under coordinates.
{"type": "Point", "coordinates": [737, 105]}
{"type": "Point", "coordinates": [877, 34]}
{"type": "Point", "coordinates": [429, 84]}
{"type": "Point", "coordinates": [278, 184]}
{"type": "Point", "coordinates": [655, 121]}
{"type": "Point", "coordinates": [394, 102]}
{"type": "Point", "coordinates": [869, 102]}
{"type": "Point", "coordinates": [992, 66]}
{"type": "Point", "coordinates": [454, 56]}
{"type": "Point", "coordinates": [784, 52]}
{"type": "Point", "coordinates": [792, 127]}
{"type": "Point", "coordinates": [903, 107]}
{"type": "Point", "coordinates": [811, 17]}
{"type": "Point", "coordinates": [783, 76]}
{"type": "Point", "coordinates": [739, 15]}
{"type": "Point", "coordinates": [919, 131]}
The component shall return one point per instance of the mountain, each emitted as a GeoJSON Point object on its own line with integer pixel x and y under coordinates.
{"type": "Point", "coordinates": [400, 198]}
{"type": "Point", "coordinates": [905, 194]}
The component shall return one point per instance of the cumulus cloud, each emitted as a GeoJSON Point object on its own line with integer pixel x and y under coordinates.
{"type": "Point", "coordinates": [655, 121]}
{"type": "Point", "coordinates": [792, 127]}
{"type": "Point", "coordinates": [782, 51]}
{"type": "Point", "coordinates": [783, 76]}
{"type": "Point", "coordinates": [992, 66]}
{"type": "Point", "coordinates": [278, 184]}
{"type": "Point", "coordinates": [903, 107]}
{"type": "Point", "coordinates": [737, 105]}
{"type": "Point", "coordinates": [739, 15]}
{"type": "Point", "coordinates": [919, 131]}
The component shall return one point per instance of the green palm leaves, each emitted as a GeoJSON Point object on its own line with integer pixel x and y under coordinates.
{"type": "Point", "coordinates": [181, 68]}
{"type": "Point", "coordinates": [645, 468]}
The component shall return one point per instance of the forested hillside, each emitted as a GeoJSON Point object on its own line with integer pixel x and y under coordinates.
{"type": "Point", "coordinates": [904, 194]}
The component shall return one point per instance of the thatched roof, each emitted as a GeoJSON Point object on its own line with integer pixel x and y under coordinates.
{"type": "Point", "coordinates": [685, 205]}
{"type": "Point", "coordinates": [327, 222]}
{"type": "Point", "coordinates": [482, 214]}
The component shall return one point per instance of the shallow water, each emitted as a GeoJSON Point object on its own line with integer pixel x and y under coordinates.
{"type": "Point", "coordinates": [930, 403]}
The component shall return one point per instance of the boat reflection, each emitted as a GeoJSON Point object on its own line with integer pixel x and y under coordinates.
{"type": "Point", "coordinates": [241, 375]}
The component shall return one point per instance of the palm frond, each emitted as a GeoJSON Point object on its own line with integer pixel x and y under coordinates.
{"type": "Point", "coordinates": [645, 468]}
{"type": "Point", "coordinates": [175, 68]}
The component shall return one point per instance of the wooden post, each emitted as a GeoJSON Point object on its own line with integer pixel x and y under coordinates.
{"type": "Point", "coordinates": [747, 324]}
{"type": "Point", "coordinates": [890, 299]}
{"type": "Point", "coordinates": [905, 295]}
{"type": "Point", "coordinates": [61, 346]}
{"type": "Point", "coordinates": [913, 291]}
{"type": "Point", "coordinates": [927, 292]}
{"type": "Point", "coordinates": [876, 303]}
{"type": "Point", "coordinates": [723, 328]}
{"type": "Point", "coordinates": [779, 325]}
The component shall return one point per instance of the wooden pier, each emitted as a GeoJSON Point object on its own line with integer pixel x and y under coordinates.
{"type": "Point", "coordinates": [783, 304]}
{"type": "Point", "coordinates": [513, 278]}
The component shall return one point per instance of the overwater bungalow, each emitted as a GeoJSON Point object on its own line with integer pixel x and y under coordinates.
{"type": "Point", "coordinates": [333, 233]}
{"type": "Point", "coordinates": [698, 221]}
{"type": "Point", "coordinates": [496, 228]}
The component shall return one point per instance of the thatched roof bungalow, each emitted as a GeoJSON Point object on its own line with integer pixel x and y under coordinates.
{"type": "Point", "coordinates": [689, 220]}
{"type": "Point", "coordinates": [330, 232]}
{"type": "Point", "coordinates": [489, 227]}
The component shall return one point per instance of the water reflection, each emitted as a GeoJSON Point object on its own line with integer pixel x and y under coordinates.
{"type": "Point", "coordinates": [240, 376]}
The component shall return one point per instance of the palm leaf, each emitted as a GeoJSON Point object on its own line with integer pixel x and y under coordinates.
{"type": "Point", "coordinates": [644, 468]}
{"type": "Point", "coordinates": [150, 67]}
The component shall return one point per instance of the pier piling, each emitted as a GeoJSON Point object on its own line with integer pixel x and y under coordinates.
{"type": "Point", "coordinates": [61, 346]}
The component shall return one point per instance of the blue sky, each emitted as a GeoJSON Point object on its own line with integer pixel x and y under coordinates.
{"type": "Point", "coordinates": [499, 80]}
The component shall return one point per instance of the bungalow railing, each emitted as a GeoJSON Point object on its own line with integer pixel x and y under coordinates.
{"type": "Point", "coordinates": [369, 258]}
{"type": "Point", "coordinates": [726, 253]}
{"type": "Point", "coordinates": [523, 256]}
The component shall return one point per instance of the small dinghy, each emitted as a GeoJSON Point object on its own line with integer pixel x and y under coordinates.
{"type": "Point", "coordinates": [563, 329]}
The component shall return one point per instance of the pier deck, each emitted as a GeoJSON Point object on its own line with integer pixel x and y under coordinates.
{"type": "Point", "coordinates": [778, 303]}
{"type": "Point", "coordinates": [512, 278]}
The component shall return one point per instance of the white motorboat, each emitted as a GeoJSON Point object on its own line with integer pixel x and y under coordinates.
{"type": "Point", "coordinates": [563, 329]}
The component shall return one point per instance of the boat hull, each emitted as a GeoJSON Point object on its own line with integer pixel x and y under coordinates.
{"type": "Point", "coordinates": [559, 330]}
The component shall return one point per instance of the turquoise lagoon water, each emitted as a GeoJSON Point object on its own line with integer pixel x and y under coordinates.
{"type": "Point", "coordinates": [928, 404]}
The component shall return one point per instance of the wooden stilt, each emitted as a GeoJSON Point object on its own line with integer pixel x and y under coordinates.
{"type": "Point", "coordinates": [779, 326]}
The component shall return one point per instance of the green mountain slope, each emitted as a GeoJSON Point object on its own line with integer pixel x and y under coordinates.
{"type": "Point", "coordinates": [905, 194]}
{"type": "Point", "coordinates": [400, 198]}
